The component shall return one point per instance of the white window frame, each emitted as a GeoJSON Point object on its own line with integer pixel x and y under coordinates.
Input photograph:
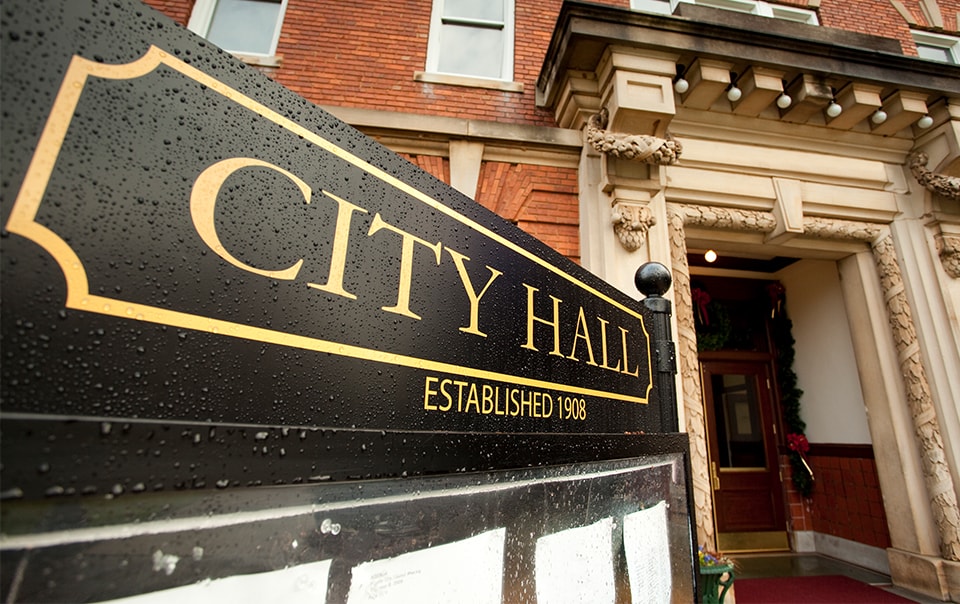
{"type": "Point", "coordinates": [661, 7]}
{"type": "Point", "coordinates": [202, 18]}
{"type": "Point", "coordinates": [433, 44]}
{"type": "Point", "coordinates": [753, 7]}
{"type": "Point", "coordinates": [951, 44]}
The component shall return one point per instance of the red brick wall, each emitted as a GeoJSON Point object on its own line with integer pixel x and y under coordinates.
{"type": "Point", "coordinates": [438, 167]}
{"type": "Point", "coordinates": [364, 53]}
{"type": "Point", "coordinates": [541, 200]}
{"type": "Point", "coordinates": [846, 501]}
{"type": "Point", "coordinates": [880, 18]}
{"type": "Point", "coordinates": [178, 10]}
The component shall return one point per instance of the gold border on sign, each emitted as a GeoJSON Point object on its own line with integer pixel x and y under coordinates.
{"type": "Point", "coordinates": [22, 221]}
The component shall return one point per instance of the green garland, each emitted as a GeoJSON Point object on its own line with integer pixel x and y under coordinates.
{"type": "Point", "coordinates": [781, 327]}
{"type": "Point", "coordinates": [715, 332]}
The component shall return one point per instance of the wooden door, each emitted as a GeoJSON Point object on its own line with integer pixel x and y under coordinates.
{"type": "Point", "coordinates": [744, 468]}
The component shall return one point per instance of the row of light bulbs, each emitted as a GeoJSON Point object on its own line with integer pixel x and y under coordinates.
{"type": "Point", "coordinates": [834, 109]}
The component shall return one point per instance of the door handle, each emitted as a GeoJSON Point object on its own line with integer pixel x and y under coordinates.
{"type": "Point", "coordinates": [714, 476]}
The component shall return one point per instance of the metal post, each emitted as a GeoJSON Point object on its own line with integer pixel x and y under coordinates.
{"type": "Point", "coordinates": [653, 280]}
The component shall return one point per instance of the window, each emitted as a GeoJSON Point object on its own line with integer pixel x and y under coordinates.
{"type": "Point", "coordinates": [244, 27]}
{"type": "Point", "coordinates": [937, 47]}
{"type": "Point", "coordinates": [663, 7]}
{"type": "Point", "coordinates": [753, 7]}
{"type": "Point", "coordinates": [472, 38]}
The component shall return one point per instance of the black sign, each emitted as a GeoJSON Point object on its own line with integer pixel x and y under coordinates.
{"type": "Point", "coordinates": [188, 240]}
{"type": "Point", "coordinates": [187, 243]}
{"type": "Point", "coordinates": [209, 284]}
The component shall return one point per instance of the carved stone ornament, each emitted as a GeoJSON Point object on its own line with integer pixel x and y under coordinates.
{"type": "Point", "coordinates": [946, 186]}
{"type": "Point", "coordinates": [948, 247]}
{"type": "Point", "coordinates": [640, 147]}
{"type": "Point", "coordinates": [631, 222]}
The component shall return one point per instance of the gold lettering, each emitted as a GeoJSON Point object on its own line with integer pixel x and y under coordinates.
{"type": "Point", "coordinates": [203, 201]}
{"type": "Point", "coordinates": [427, 392]}
{"type": "Point", "coordinates": [603, 346]}
{"type": "Point", "coordinates": [514, 404]}
{"type": "Point", "coordinates": [338, 256]}
{"type": "Point", "coordinates": [472, 295]}
{"type": "Point", "coordinates": [446, 395]}
{"type": "Point", "coordinates": [472, 398]}
{"type": "Point", "coordinates": [460, 386]}
{"type": "Point", "coordinates": [487, 396]}
{"type": "Point", "coordinates": [526, 403]}
{"type": "Point", "coordinates": [585, 336]}
{"type": "Point", "coordinates": [531, 318]}
{"type": "Point", "coordinates": [402, 306]}
{"type": "Point", "coordinates": [623, 339]}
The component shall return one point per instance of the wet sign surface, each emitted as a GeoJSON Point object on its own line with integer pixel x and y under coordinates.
{"type": "Point", "coordinates": [240, 337]}
{"type": "Point", "coordinates": [186, 240]}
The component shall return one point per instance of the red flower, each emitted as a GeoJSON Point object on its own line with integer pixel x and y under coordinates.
{"type": "Point", "coordinates": [700, 301]}
{"type": "Point", "coordinates": [798, 443]}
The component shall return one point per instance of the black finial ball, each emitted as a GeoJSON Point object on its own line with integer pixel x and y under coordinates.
{"type": "Point", "coordinates": [653, 279]}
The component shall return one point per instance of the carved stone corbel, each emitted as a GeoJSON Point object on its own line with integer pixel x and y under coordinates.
{"type": "Point", "coordinates": [948, 247]}
{"type": "Point", "coordinates": [639, 147]}
{"type": "Point", "coordinates": [945, 186]}
{"type": "Point", "coordinates": [631, 221]}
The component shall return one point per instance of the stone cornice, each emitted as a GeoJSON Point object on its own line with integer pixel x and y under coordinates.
{"type": "Point", "coordinates": [877, 90]}
{"type": "Point", "coordinates": [451, 127]}
{"type": "Point", "coordinates": [742, 38]}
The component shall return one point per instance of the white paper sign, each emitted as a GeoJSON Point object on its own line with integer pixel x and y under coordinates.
{"type": "Point", "coordinates": [576, 565]}
{"type": "Point", "coordinates": [469, 571]}
{"type": "Point", "coordinates": [304, 584]}
{"type": "Point", "coordinates": [647, 546]}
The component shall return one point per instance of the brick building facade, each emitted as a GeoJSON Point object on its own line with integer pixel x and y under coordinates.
{"type": "Point", "coordinates": [823, 192]}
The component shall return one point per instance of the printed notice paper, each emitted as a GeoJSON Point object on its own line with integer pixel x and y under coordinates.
{"type": "Point", "coordinates": [576, 565]}
{"type": "Point", "coordinates": [304, 584]}
{"type": "Point", "coordinates": [470, 570]}
{"type": "Point", "coordinates": [647, 546]}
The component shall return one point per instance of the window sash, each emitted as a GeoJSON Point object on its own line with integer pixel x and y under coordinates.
{"type": "Point", "coordinates": [222, 22]}
{"type": "Point", "coordinates": [472, 39]}
{"type": "Point", "coordinates": [754, 7]}
{"type": "Point", "coordinates": [937, 47]}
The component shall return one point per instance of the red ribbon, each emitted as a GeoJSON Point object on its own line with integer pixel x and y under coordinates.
{"type": "Point", "coordinates": [700, 301]}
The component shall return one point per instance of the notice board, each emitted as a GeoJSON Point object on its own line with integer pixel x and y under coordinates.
{"type": "Point", "coordinates": [215, 294]}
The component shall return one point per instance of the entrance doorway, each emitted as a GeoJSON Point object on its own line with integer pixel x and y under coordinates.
{"type": "Point", "coordinates": [744, 465]}
{"type": "Point", "coordinates": [741, 407]}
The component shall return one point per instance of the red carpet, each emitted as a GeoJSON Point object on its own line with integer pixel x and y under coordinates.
{"type": "Point", "coordinates": [830, 589]}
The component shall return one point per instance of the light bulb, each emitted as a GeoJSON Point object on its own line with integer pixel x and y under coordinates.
{"type": "Point", "coordinates": [681, 85]}
{"type": "Point", "coordinates": [834, 109]}
{"type": "Point", "coordinates": [734, 94]}
{"type": "Point", "coordinates": [925, 122]}
{"type": "Point", "coordinates": [879, 116]}
{"type": "Point", "coordinates": [710, 256]}
{"type": "Point", "coordinates": [784, 100]}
